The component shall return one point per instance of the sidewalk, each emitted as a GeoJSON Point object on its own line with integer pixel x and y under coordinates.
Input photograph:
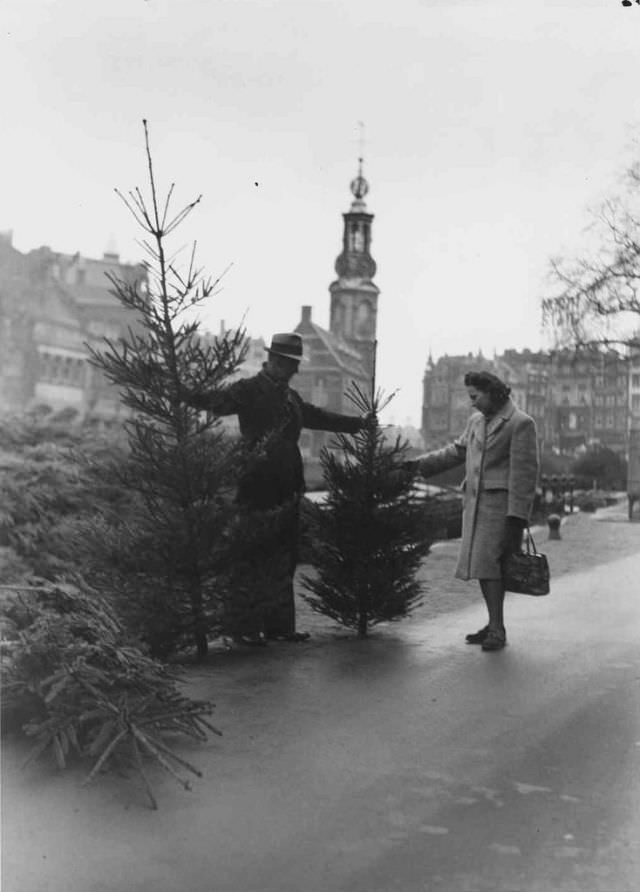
{"type": "Point", "coordinates": [408, 762]}
{"type": "Point", "coordinates": [588, 540]}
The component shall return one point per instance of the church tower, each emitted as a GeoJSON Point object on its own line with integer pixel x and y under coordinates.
{"type": "Point", "coordinates": [354, 296]}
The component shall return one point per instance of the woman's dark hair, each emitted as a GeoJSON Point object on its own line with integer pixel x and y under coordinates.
{"type": "Point", "coordinates": [488, 383]}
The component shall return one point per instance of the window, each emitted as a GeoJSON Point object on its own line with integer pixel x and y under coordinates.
{"type": "Point", "coordinates": [356, 238]}
{"type": "Point", "coordinates": [320, 396]}
{"type": "Point", "coordinates": [635, 402]}
{"type": "Point", "coordinates": [635, 380]}
{"type": "Point", "coordinates": [56, 369]}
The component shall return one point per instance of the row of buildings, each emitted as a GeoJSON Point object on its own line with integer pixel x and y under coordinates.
{"type": "Point", "coordinates": [575, 399]}
{"type": "Point", "coordinates": [53, 306]}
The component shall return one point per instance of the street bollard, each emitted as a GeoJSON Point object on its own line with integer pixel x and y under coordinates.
{"type": "Point", "coordinates": [553, 521]}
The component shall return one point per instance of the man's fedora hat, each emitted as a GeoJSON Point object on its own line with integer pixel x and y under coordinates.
{"type": "Point", "coordinates": [285, 344]}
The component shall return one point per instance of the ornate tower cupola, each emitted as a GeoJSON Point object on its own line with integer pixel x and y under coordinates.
{"type": "Point", "coordinates": [354, 296]}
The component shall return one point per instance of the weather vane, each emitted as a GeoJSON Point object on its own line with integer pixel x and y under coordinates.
{"type": "Point", "coordinates": [361, 140]}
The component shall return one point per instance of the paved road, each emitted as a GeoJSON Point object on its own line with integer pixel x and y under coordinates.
{"type": "Point", "coordinates": [408, 762]}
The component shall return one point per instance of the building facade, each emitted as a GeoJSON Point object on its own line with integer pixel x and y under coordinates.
{"type": "Point", "coordinates": [52, 307]}
{"type": "Point", "coordinates": [575, 399]}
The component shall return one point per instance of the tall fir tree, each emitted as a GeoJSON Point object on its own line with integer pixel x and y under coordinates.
{"type": "Point", "coordinates": [369, 538]}
{"type": "Point", "coordinates": [181, 463]}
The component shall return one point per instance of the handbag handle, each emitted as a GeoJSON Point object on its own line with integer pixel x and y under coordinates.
{"type": "Point", "coordinates": [530, 543]}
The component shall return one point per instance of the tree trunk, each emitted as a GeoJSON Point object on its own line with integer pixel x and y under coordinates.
{"type": "Point", "coordinates": [202, 645]}
{"type": "Point", "coordinates": [199, 622]}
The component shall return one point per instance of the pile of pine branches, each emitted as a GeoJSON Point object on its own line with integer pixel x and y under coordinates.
{"type": "Point", "coordinates": [82, 689]}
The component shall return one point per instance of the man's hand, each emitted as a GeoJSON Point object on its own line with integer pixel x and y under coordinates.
{"type": "Point", "coordinates": [515, 529]}
{"type": "Point", "coordinates": [180, 392]}
{"type": "Point", "coordinates": [369, 421]}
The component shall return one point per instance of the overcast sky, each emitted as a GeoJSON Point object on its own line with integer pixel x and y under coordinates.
{"type": "Point", "coordinates": [490, 129]}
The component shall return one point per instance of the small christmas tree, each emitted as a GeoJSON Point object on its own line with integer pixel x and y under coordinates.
{"type": "Point", "coordinates": [181, 465]}
{"type": "Point", "coordinates": [371, 535]}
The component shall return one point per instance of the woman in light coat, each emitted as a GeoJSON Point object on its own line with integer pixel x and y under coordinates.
{"type": "Point", "coordinates": [499, 450]}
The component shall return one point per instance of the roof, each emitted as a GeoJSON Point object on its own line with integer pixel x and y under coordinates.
{"type": "Point", "coordinates": [344, 355]}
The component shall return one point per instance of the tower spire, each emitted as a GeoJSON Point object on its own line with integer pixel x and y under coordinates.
{"type": "Point", "coordinates": [354, 295]}
{"type": "Point", "coordinates": [359, 186]}
{"type": "Point", "coordinates": [361, 141]}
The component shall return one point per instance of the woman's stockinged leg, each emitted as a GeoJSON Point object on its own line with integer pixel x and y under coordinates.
{"type": "Point", "coordinates": [493, 593]}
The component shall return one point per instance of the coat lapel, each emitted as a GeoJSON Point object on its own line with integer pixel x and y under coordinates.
{"type": "Point", "coordinates": [500, 417]}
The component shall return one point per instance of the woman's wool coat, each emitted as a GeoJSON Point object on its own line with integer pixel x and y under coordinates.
{"type": "Point", "coordinates": [501, 463]}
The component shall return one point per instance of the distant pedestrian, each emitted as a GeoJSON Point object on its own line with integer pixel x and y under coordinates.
{"type": "Point", "coordinates": [499, 451]}
{"type": "Point", "coordinates": [271, 416]}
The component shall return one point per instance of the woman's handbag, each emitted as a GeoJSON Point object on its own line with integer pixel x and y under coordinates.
{"type": "Point", "coordinates": [527, 572]}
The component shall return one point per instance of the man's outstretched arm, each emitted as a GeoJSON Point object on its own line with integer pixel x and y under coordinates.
{"type": "Point", "coordinates": [226, 401]}
{"type": "Point", "coordinates": [318, 419]}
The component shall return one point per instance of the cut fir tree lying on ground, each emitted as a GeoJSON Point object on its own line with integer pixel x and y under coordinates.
{"type": "Point", "coordinates": [370, 536]}
{"type": "Point", "coordinates": [81, 688]}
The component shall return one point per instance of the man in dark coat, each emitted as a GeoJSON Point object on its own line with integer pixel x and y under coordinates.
{"type": "Point", "coordinates": [271, 416]}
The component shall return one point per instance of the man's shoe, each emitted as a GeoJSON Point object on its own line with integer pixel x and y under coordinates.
{"type": "Point", "coordinates": [477, 637]}
{"type": "Point", "coordinates": [299, 636]}
{"type": "Point", "coordinates": [495, 640]}
{"type": "Point", "coordinates": [290, 636]}
{"type": "Point", "coordinates": [250, 640]}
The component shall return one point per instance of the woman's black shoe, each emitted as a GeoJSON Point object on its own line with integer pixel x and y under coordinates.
{"type": "Point", "coordinates": [477, 637]}
{"type": "Point", "coordinates": [495, 640]}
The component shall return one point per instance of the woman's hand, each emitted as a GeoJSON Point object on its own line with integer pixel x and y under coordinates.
{"type": "Point", "coordinates": [403, 473]}
{"type": "Point", "coordinates": [515, 529]}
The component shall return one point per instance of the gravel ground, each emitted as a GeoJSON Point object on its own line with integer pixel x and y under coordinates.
{"type": "Point", "coordinates": [587, 541]}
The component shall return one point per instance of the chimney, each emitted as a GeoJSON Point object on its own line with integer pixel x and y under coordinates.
{"type": "Point", "coordinates": [111, 254]}
{"type": "Point", "coordinates": [306, 314]}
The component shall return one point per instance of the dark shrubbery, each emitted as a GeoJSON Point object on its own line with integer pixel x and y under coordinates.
{"type": "Point", "coordinates": [601, 466]}
{"type": "Point", "coordinates": [47, 487]}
